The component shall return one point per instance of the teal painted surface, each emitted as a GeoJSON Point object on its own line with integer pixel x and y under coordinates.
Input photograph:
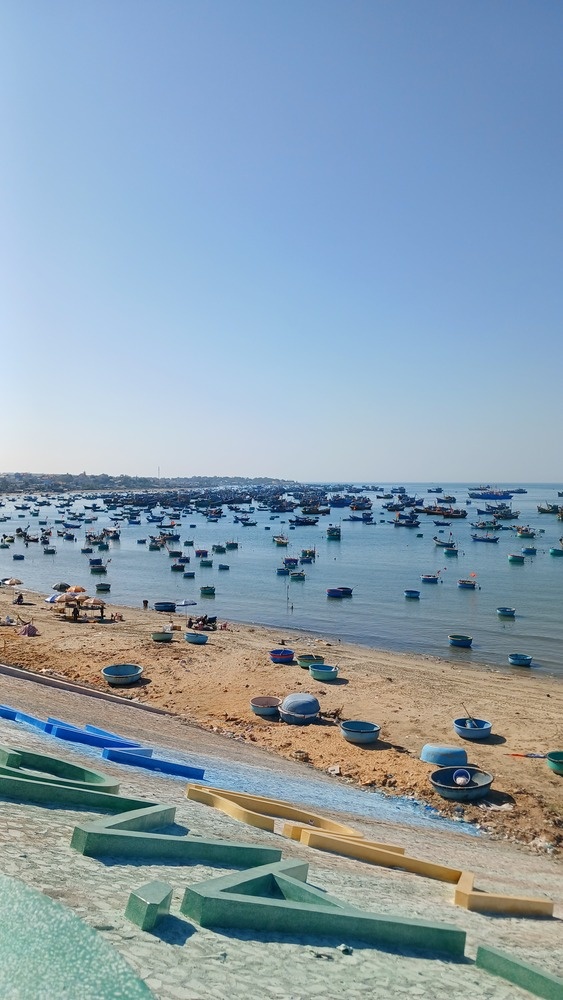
{"type": "Point", "coordinates": [276, 898]}
{"type": "Point", "coordinates": [48, 952]}
{"type": "Point", "coordinates": [541, 984]}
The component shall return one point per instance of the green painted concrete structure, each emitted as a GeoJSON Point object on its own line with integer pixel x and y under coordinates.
{"type": "Point", "coordinates": [147, 904]}
{"type": "Point", "coordinates": [18, 763]}
{"type": "Point", "coordinates": [276, 897]}
{"type": "Point", "coordinates": [528, 977]}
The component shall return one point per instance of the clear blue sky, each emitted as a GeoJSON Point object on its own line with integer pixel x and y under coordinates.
{"type": "Point", "coordinates": [313, 239]}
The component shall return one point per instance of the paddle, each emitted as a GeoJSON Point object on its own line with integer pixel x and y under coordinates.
{"type": "Point", "coordinates": [470, 718]}
{"type": "Point", "coordinates": [542, 756]}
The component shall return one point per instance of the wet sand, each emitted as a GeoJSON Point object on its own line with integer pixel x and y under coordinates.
{"type": "Point", "coordinates": [413, 698]}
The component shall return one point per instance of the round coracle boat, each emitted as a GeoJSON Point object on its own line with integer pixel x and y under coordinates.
{"type": "Point", "coordinates": [299, 709]}
{"type": "Point", "coordinates": [323, 672]}
{"type": "Point", "coordinates": [464, 641]}
{"type": "Point", "coordinates": [282, 655]}
{"type": "Point", "coordinates": [461, 784]}
{"type": "Point", "coordinates": [265, 705]}
{"type": "Point", "coordinates": [555, 761]}
{"type": "Point", "coordinates": [161, 636]}
{"type": "Point", "coordinates": [519, 660]}
{"type": "Point", "coordinates": [196, 638]}
{"type": "Point", "coordinates": [307, 660]}
{"type": "Point", "coordinates": [472, 729]}
{"type": "Point", "coordinates": [121, 674]}
{"type": "Point", "coordinates": [356, 731]}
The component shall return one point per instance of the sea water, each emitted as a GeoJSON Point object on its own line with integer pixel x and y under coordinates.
{"type": "Point", "coordinates": [378, 560]}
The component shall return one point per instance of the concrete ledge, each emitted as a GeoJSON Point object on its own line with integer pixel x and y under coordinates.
{"type": "Point", "coordinates": [148, 903]}
{"type": "Point", "coordinates": [541, 984]}
{"type": "Point", "coordinates": [380, 855]}
{"type": "Point", "coordinates": [260, 806]}
{"type": "Point", "coordinates": [509, 906]}
{"type": "Point", "coordinates": [275, 898]}
{"type": "Point", "coordinates": [8, 713]}
{"type": "Point", "coordinates": [74, 735]}
{"type": "Point", "coordinates": [64, 685]}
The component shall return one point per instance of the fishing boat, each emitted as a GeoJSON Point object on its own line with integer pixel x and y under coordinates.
{"type": "Point", "coordinates": [297, 574]}
{"type": "Point", "coordinates": [516, 557]}
{"type": "Point", "coordinates": [430, 577]}
{"type": "Point", "coordinates": [467, 584]}
{"type": "Point", "coordinates": [207, 591]}
{"type": "Point", "coordinates": [412, 595]}
{"type": "Point", "coordinates": [281, 540]}
{"type": "Point", "coordinates": [282, 571]}
{"type": "Point", "coordinates": [485, 538]}
{"type": "Point", "coordinates": [443, 544]}
{"type": "Point", "coordinates": [456, 639]}
{"type": "Point", "coordinates": [506, 612]}
{"type": "Point", "coordinates": [333, 532]}
{"type": "Point", "coordinates": [519, 660]}
{"type": "Point", "coordinates": [475, 783]}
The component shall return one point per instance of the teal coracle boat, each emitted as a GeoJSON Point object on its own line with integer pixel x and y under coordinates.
{"type": "Point", "coordinates": [464, 641]}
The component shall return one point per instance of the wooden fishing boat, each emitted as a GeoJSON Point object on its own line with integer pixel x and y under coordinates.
{"type": "Point", "coordinates": [467, 584]}
{"type": "Point", "coordinates": [485, 538]}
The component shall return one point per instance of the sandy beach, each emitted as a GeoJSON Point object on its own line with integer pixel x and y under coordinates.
{"type": "Point", "coordinates": [413, 698]}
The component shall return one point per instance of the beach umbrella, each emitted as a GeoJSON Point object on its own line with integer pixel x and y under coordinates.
{"type": "Point", "coordinates": [93, 602]}
{"type": "Point", "coordinates": [61, 586]}
{"type": "Point", "coordinates": [51, 599]}
{"type": "Point", "coordinates": [76, 589]}
{"type": "Point", "coordinates": [66, 599]}
{"type": "Point", "coordinates": [13, 582]}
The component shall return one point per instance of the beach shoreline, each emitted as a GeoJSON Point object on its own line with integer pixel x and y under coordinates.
{"type": "Point", "coordinates": [414, 699]}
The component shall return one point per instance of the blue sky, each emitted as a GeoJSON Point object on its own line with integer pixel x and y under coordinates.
{"type": "Point", "coordinates": [316, 239]}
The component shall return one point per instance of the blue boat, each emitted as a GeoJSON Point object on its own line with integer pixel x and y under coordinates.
{"type": "Point", "coordinates": [121, 674]}
{"type": "Point", "coordinates": [520, 660]}
{"type": "Point", "coordinates": [430, 578]}
{"type": "Point", "coordinates": [472, 729]}
{"type": "Point", "coordinates": [476, 783]}
{"type": "Point", "coordinates": [506, 612]}
{"type": "Point", "coordinates": [464, 641]}
{"type": "Point", "coordinates": [412, 595]}
{"type": "Point", "coordinates": [467, 584]}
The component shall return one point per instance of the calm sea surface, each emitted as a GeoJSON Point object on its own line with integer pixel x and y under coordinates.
{"type": "Point", "coordinates": [379, 561]}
